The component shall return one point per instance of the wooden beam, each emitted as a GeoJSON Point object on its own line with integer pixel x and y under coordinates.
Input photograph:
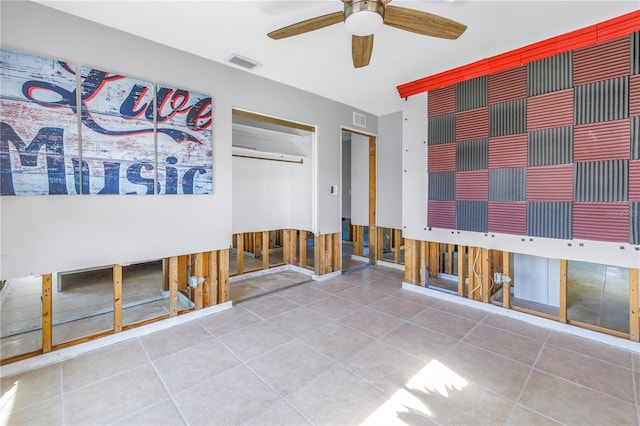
{"type": "Point", "coordinates": [506, 286]}
{"type": "Point", "coordinates": [293, 246]}
{"type": "Point", "coordinates": [211, 283]}
{"type": "Point", "coordinates": [424, 255]}
{"type": "Point", "coordinates": [117, 298]}
{"type": "Point", "coordinates": [337, 251]}
{"type": "Point", "coordinates": [319, 255]}
{"type": "Point", "coordinates": [266, 239]}
{"type": "Point", "coordinates": [328, 252]}
{"type": "Point", "coordinates": [411, 261]}
{"type": "Point", "coordinates": [183, 261]}
{"type": "Point", "coordinates": [634, 318]}
{"type": "Point", "coordinates": [302, 262]}
{"type": "Point", "coordinates": [380, 247]}
{"type": "Point", "coordinates": [372, 201]}
{"type": "Point", "coordinates": [450, 248]}
{"type": "Point", "coordinates": [198, 272]}
{"type": "Point", "coordinates": [433, 260]}
{"type": "Point", "coordinates": [223, 275]}
{"type": "Point", "coordinates": [358, 243]}
{"type": "Point", "coordinates": [562, 310]}
{"type": "Point", "coordinates": [461, 273]}
{"type": "Point", "coordinates": [397, 244]}
{"type": "Point", "coordinates": [258, 244]}
{"type": "Point", "coordinates": [240, 255]}
{"type": "Point", "coordinates": [486, 271]}
{"type": "Point", "coordinates": [471, 272]}
{"type": "Point", "coordinates": [173, 286]}
{"type": "Point", "coordinates": [47, 313]}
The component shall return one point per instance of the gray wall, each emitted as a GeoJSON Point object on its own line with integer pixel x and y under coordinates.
{"type": "Point", "coordinates": [42, 234]}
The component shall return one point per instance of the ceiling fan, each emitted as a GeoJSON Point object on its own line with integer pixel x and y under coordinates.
{"type": "Point", "coordinates": [362, 17]}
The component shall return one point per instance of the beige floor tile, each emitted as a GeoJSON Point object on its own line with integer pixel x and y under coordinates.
{"type": "Point", "coordinates": [398, 307]}
{"type": "Point", "coordinates": [164, 413]}
{"type": "Point", "coordinates": [269, 306]}
{"type": "Point", "coordinates": [445, 323]}
{"type": "Point", "coordinates": [279, 414]}
{"type": "Point", "coordinates": [241, 290]}
{"type": "Point", "coordinates": [418, 341]}
{"type": "Point", "coordinates": [401, 409]}
{"type": "Point", "coordinates": [384, 366]}
{"type": "Point", "coordinates": [422, 299]}
{"type": "Point", "coordinates": [337, 397]}
{"type": "Point", "coordinates": [516, 326]}
{"type": "Point", "coordinates": [460, 310]}
{"type": "Point", "coordinates": [289, 367]}
{"type": "Point", "coordinates": [254, 340]}
{"type": "Point", "coordinates": [364, 296]}
{"type": "Point", "coordinates": [303, 294]}
{"type": "Point", "coordinates": [521, 416]}
{"type": "Point", "coordinates": [336, 341]}
{"type": "Point", "coordinates": [174, 339]}
{"type": "Point", "coordinates": [184, 369]}
{"type": "Point", "coordinates": [334, 307]}
{"type": "Point", "coordinates": [25, 390]}
{"type": "Point", "coordinates": [299, 321]}
{"type": "Point", "coordinates": [637, 383]}
{"type": "Point", "coordinates": [230, 398]}
{"type": "Point", "coordinates": [591, 372]}
{"type": "Point", "coordinates": [333, 285]}
{"type": "Point", "coordinates": [591, 348]}
{"type": "Point", "coordinates": [505, 343]}
{"type": "Point", "coordinates": [228, 321]}
{"type": "Point", "coordinates": [371, 321]}
{"type": "Point", "coordinates": [569, 403]}
{"type": "Point", "coordinates": [100, 364]}
{"type": "Point", "coordinates": [494, 372]}
{"type": "Point", "coordinates": [47, 412]}
{"type": "Point", "coordinates": [114, 398]}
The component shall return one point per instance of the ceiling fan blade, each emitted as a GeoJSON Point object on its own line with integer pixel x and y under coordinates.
{"type": "Point", "coordinates": [361, 48]}
{"type": "Point", "coordinates": [308, 25]}
{"type": "Point", "coordinates": [422, 23]}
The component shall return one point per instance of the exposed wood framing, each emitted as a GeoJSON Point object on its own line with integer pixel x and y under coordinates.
{"type": "Point", "coordinates": [47, 313]}
{"type": "Point", "coordinates": [257, 237]}
{"type": "Point", "coordinates": [328, 252]}
{"type": "Point", "coordinates": [424, 261]}
{"type": "Point", "coordinates": [358, 240]}
{"type": "Point", "coordinates": [211, 280]}
{"type": "Point", "coordinates": [182, 276]}
{"type": "Point", "coordinates": [240, 255]}
{"type": "Point", "coordinates": [397, 245]}
{"type": "Point", "coordinates": [506, 286]}
{"type": "Point", "coordinates": [562, 310]}
{"type": "Point", "coordinates": [634, 318]}
{"type": "Point", "coordinates": [302, 244]}
{"type": "Point", "coordinates": [381, 238]}
{"type": "Point", "coordinates": [199, 272]}
{"type": "Point", "coordinates": [372, 201]}
{"type": "Point", "coordinates": [337, 251]}
{"type": "Point", "coordinates": [223, 275]}
{"type": "Point", "coordinates": [486, 272]}
{"type": "Point", "coordinates": [473, 286]}
{"type": "Point", "coordinates": [450, 248]}
{"type": "Point", "coordinates": [173, 286]}
{"type": "Point", "coordinates": [117, 298]}
{"type": "Point", "coordinates": [266, 240]}
{"type": "Point", "coordinates": [461, 273]}
{"type": "Point", "coordinates": [433, 259]}
{"type": "Point", "coordinates": [320, 260]}
{"type": "Point", "coordinates": [411, 261]}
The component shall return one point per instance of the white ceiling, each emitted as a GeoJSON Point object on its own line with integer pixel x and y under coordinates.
{"type": "Point", "coordinates": [320, 61]}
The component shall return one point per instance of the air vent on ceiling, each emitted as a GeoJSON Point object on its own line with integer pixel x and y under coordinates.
{"type": "Point", "coordinates": [243, 62]}
{"type": "Point", "coordinates": [359, 120]}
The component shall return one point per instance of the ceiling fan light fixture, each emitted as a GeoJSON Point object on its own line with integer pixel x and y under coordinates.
{"type": "Point", "coordinates": [363, 17]}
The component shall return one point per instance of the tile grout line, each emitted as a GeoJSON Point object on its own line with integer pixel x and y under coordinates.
{"type": "Point", "coordinates": [166, 388]}
{"type": "Point", "coordinates": [532, 369]}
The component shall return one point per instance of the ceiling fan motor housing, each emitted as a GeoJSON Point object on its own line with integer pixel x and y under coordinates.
{"type": "Point", "coordinates": [360, 23]}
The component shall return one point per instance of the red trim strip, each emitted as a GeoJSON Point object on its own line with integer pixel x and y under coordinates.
{"type": "Point", "coordinates": [594, 34]}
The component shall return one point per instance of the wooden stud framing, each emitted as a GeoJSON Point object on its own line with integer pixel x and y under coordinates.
{"type": "Point", "coordinates": [358, 242]}
{"type": "Point", "coordinates": [173, 286]}
{"type": "Point", "coordinates": [424, 255]}
{"type": "Point", "coordinates": [433, 259]}
{"type": "Point", "coordinates": [183, 261]}
{"type": "Point", "coordinates": [506, 286]}
{"type": "Point", "coordinates": [47, 313]}
{"type": "Point", "coordinates": [117, 298]}
{"type": "Point", "coordinates": [397, 244]}
{"type": "Point", "coordinates": [461, 275]}
{"type": "Point", "coordinates": [562, 310]}
{"type": "Point", "coordinates": [380, 247]}
{"type": "Point", "coordinates": [266, 239]}
{"type": "Point", "coordinates": [302, 261]}
{"type": "Point", "coordinates": [211, 282]}
{"type": "Point", "coordinates": [240, 255]}
{"type": "Point", "coordinates": [328, 252]}
{"type": "Point", "coordinates": [199, 272]}
{"type": "Point", "coordinates": [471, 272]}
{"type": "Point", "coordinates": [337, 252]}
{"type": "Point", "coordinates": [450, 248]}
{"type": "Point", "coordinates": [320, 259]}
{"type": "Point", "coordinates": [223, 275]}
{"type": "Point", "coordinates": [634, 318]}
{"type": "Point", "coordinates": [486, 271]}
{"type": "Point", "coordinates": [257, 236]}
{"type": "Point", "coordinates": [411, 261]}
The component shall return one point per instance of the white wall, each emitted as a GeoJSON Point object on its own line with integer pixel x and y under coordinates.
{"type": "Point", "coordinates": [58, 233]}
{"type": "Point", "coordinates": [389, 171]}
{"type": "Point", "coordinates": [359, 180]}
{"type": "Point", "coordinates": [414, 194]}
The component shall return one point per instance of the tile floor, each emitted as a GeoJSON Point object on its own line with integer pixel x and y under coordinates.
{"type": "Point", "coordinates": [349, 350]}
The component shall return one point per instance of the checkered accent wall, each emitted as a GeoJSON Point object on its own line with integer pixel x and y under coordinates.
{"type": "Point", "coordinates": [548, 149]}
